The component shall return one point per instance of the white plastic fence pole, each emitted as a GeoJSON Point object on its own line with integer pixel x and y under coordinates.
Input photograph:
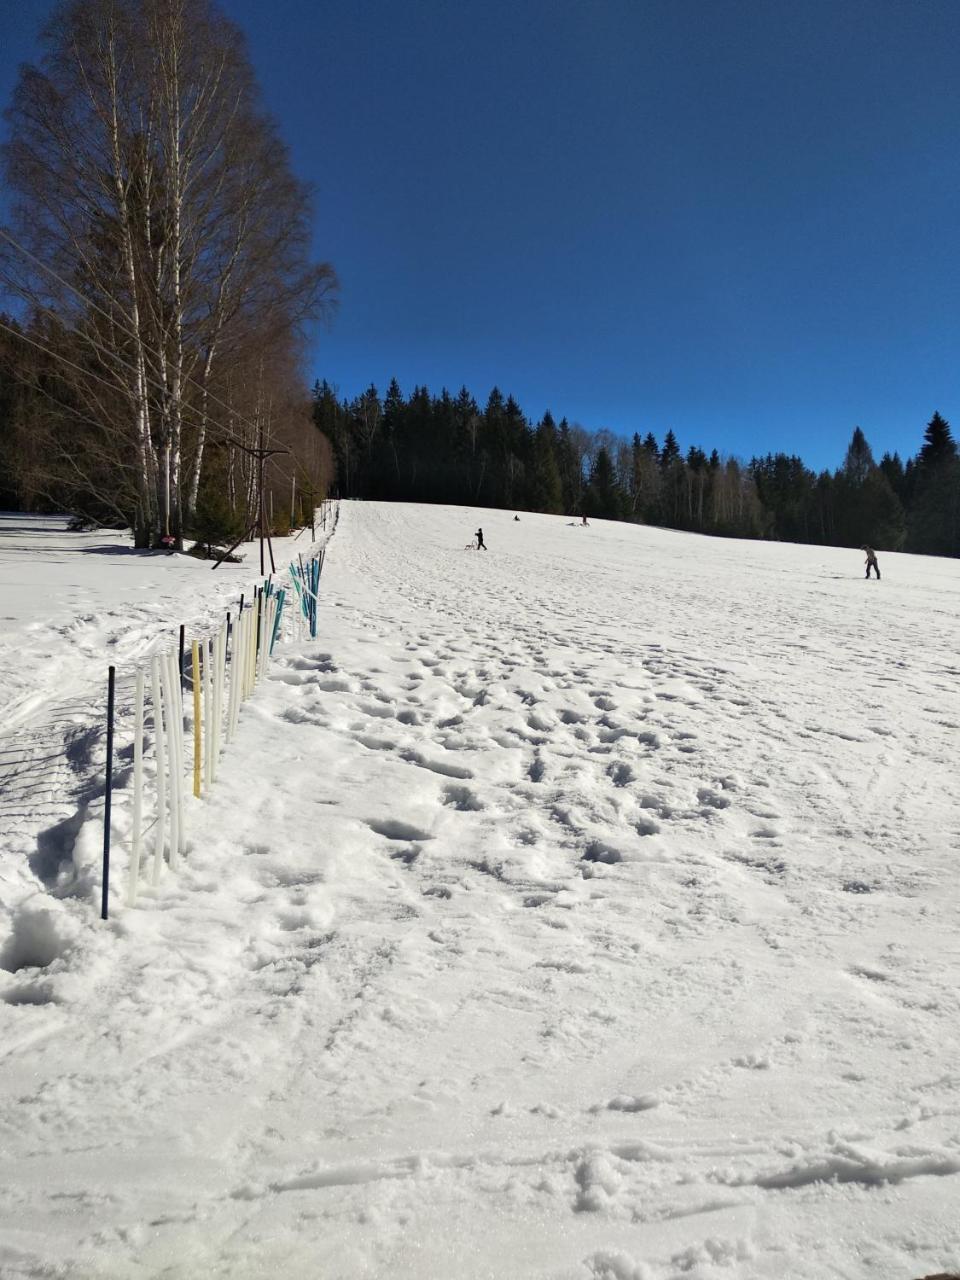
{"type": "Point", "coordinates": [208, 714]}
{"type": "Point", "coordinates": [236, 659]}
{"type": "Point", "coordinates": [218, 692]}
{"type": "Point", "coordinates": [245, 665]}
{"type": "Point", "coordinates": [173, 758]}
{"type": "Point", "coordinates": [137, 789]}
{"type": "Point", "coordinates": [177, 716]}
{"type": "Point", "coordinates": [197, 719]}
{"type": "Point", "coordinates": [214, 707]}
{"type": "Point", "coordinates": [261, 630]}
{"type": "Point", "coordinates": [222, 688]}
{"type": "Point", "coordinates": [161, 768]}
{"type": "Point", "coordinates": [252, 653]}
{"type": "Point", "coordinates": [219, 642]}
{"type": "Point", "coordinates": [268, 635]}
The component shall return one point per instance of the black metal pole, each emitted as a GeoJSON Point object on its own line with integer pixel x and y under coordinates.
{"type": "Point", "coordinates": [182, 641]}
{"type": "Point", "coordinates": [105, 893]}
{"type": "Point", "coordinates": [243, 538]}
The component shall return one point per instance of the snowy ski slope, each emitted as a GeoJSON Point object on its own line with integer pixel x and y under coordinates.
{"type": "Point", "coordinates": [587, 908]}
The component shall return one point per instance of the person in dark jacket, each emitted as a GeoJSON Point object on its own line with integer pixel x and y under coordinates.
{"type": "Point", "coordinates": [481, 546]}
{"type": "Point", "coordinates": [871, 561]}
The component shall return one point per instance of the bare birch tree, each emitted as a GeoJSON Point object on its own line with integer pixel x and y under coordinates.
{"type": "Point", "coordinates": [162, 225]}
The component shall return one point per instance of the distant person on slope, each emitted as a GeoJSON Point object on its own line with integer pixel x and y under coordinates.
{"type": "Point", "coordinates": [481, 545]}
{"type": "Point", "coordinates": [871, 561]}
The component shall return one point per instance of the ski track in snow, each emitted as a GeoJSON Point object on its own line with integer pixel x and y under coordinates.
{"type": "Point", "coordinates": [585, 909]}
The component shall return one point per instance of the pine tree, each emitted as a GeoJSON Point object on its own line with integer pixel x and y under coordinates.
{"type": "Point", "coordinates": [604, 496]}
{"type": "Point", "coordinates": [858, 462]}
{"type": "Point", "coordinates": [933, 525]}
{"type": "Point", "coordinates": [571, 480]}
{"type": "Point", "coordinates": [938, 443]}
{"type": "Point", "coordinates": [546, 490]}
{"type": "Point", "coordinates": [892, 468]}
{"type": "Point", "coordinates": [881, 513]}
{"type": "Point", "coordinates": [391, 429]}
{"type": "Point", "coordinates": [670, 452]}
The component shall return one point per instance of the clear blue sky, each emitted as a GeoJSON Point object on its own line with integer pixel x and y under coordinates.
{"type": "Point", "coordinates": [736, 218]}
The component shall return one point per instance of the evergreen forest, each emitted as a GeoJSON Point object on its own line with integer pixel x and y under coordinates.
{"type": "Point", "coordinates": [427, 448]}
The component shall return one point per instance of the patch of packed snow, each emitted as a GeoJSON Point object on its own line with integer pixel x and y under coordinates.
{"type": "Point", "coordinates": [585, 909]}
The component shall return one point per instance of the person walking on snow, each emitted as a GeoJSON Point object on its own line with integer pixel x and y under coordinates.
{"type": "Point", "coordinates": [481, 546]}
{"type": "Point", "coordinates": [871, 561]}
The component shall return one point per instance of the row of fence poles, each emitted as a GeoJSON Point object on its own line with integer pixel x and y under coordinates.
{"type": "Point", "coordinates": [223, 671]}
{"type": "Point", "coordinates": [306, 581]}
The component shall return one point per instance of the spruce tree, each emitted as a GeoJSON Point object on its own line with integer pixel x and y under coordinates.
{"type": "Point", "coordinates": [546, 490]}
{"type": "Point", "coordinates": [670, 452]}
{"type": "Point", "coordinates": [604, 497]}
{"type": "Point", "coordinates": [933, 525]}
{"type": "Point", "coordinates": [892, 468]}
{"type": "Point", "coordinates": [938, 443]}
{"type": "Point", "coordinates": [858, 462]}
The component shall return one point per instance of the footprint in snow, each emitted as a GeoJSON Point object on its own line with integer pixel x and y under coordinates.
{"type": "Point", "coordinates": [765, 832]}
{"type": "Point", "coordinates": [620, 773]}
{"type": "Point", "coordinates": [376, 710]}
{"type": "Point", "coordinates": [436, 766]}
{"type": "Point", "coordinates": [373, 743]}
{"type": "Point", "coordinates": [857, 886]}
{"type": "Point", "coordinates": [598, 851]}
{"type": "Point", "coordinates": [713, 799]}
{"type": "Point", "coordinates": [569, 716]}
{"type": "Point", "coordinates": [628, 1102]}
{"type": "Point", "coordinates": [301, 715]}
{"type": "Point", "coordinates": [393, 829]}
{"type": "Point", "coordinates": [461, 798]}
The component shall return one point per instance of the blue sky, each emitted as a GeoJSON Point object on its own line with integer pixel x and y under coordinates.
{"type": "Point", "coordinates": [739, 219]}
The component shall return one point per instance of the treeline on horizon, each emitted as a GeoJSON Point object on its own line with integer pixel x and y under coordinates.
{"type": "Point", "coordinates": [446, 449]}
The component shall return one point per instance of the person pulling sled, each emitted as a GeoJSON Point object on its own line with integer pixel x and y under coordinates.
{"type": "Point", "coordinates": [481, 545]}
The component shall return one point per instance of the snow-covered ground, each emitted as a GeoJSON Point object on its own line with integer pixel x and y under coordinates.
{"type": "Point", "coordinates": [587, 908]}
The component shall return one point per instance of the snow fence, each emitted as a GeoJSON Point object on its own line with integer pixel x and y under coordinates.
{"type": "Point", "coordinates": [170, 718]}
